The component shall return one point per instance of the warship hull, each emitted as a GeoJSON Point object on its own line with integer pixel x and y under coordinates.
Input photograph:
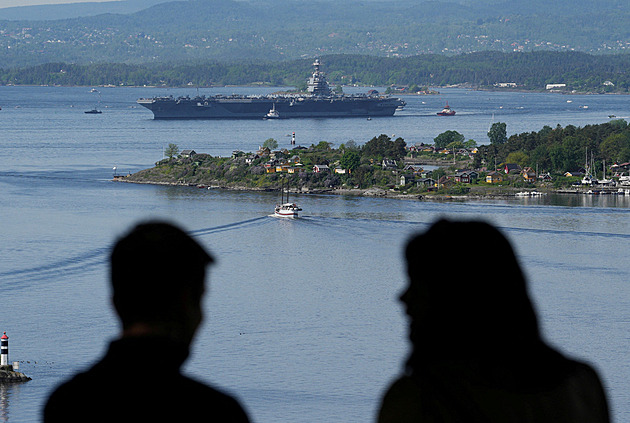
{"type": "Point", "coordinates": [258, 107]}
{"type": "Point", "coordinates": [320, 102]}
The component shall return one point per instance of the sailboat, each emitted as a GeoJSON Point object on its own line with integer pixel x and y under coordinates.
{"type": "Point", "coordinates": [286, 208]}
{"type": "Point", "coordinates": [605, 181]}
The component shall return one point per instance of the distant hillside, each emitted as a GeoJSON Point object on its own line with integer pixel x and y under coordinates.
{"type": "Point", "coordinates": [74, 10]}
{"type": "Point", "coordinates": [527, 71]}
{"type": "Point", "coordinates": [228, 30]}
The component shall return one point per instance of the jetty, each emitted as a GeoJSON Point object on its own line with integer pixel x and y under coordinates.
{"type": "Point", "coordinates": [8, 372]}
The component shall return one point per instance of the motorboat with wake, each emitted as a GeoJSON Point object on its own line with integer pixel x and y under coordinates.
{"type": "Point", "coordinates": [286, 208]}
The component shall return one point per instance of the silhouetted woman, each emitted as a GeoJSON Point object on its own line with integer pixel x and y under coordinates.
{"type": "Point", "coordinates": [477, 353]}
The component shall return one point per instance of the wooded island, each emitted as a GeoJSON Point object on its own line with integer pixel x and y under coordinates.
{"type": "Point", "coordinates": [552, 159]}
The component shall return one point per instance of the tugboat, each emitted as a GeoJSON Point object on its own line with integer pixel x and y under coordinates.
{"type": "Point", "coordinates": [447, 111]}
{"type": "Point", "coordinates": [273, 113]}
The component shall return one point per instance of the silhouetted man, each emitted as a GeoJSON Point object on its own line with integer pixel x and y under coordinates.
{"type": "Point", "coordinates": [157, 275]}
{"type": "Point", "coordinates": [477, 355]}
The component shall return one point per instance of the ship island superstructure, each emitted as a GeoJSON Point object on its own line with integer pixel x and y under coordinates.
{"type": "Point", "coordinates": [320, 102]}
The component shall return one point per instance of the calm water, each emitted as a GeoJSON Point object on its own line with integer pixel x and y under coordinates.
{"type": "Point", "coordinates": [302, 319]}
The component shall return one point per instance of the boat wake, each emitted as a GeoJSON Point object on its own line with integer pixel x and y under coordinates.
{"type": "Point", "coordinates": [86, 261]}
{"type": "Point", "coordinates": [81, 263]}
{"type": "Point", "coordinates": [227, 227]}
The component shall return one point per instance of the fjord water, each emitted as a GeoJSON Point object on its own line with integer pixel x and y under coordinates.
{"type": "Point", "coordinates": [302, 319]}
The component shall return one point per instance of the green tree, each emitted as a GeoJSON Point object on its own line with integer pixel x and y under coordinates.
{"type": "Point", "coordinates": [383, 147]}
{"type": "Point", "coordinates": [470, 143]}
{"type": "Point", "coordinates": [616, 147]}
{"type": "Point", "coordinates": [350, 160]}
{"type": "Point", "coordinates": [323, 145]}
{"type": "Point", "coordinates": [270, 143]}
{"type": "Point", "coordinates": [498, 133]}
{"type": "Point", "coordinates": [455, 144]}
{"type": "Point", "coordinates": [351, 145]}
{"type": "Point", "coordinates": [519, 157]}
{"type": "Point", "coordinates": [171, 151]}
{"type": "Point", "coordinates": [448, 137]}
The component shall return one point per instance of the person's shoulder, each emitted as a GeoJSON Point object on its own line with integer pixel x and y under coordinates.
{"type": "Point", "coordinates": [216, 399]}
{"type": "Point", "coordinates": [402, 384]}
{"type": "Point", "coordinates": [66, 396]}
{"type": "Point", "coordinates": [401, 401]}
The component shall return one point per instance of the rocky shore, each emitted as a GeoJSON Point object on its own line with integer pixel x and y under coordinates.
{"type": "Point", "coordinates": [7, 374]}
{"type": "Point", "coordinates": [476, 193]}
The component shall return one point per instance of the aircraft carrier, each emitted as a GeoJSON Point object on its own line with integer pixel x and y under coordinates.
{"type": "Point", "coordinates": [319, 102]}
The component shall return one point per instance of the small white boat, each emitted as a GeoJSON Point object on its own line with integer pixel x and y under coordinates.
{"type": "Point", "coordinates": [530, 194]}
{"type": "Point", "coordinates": [273, 113]}
{"type": "Point", "coordinates": [287, 210]}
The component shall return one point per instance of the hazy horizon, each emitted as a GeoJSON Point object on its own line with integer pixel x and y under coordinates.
{"type": "Point", "coordinates": [18, 3]}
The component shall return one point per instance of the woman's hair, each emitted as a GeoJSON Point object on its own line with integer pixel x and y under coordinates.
{"type": "Point", "coordinates": [466, 292]}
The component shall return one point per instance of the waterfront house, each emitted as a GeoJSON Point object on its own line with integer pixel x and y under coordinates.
{"type": "Point", "coordinates": [320, 168]}
{"type": "Point", "coordinates": [426, 182]}
{"type": "Point", "coordinates": [576, 172]}
{"type": "Point", "coordinates": [250, 158]}
{"type": "Point", "coordinates": [466, 176]}
{"type": "Point", "coordinates": [415, 169]}
{"type": "Point", "coordinates": [340, 170]}
{"type": "Point", "coordinates": [263, 151]}
{"type": "Point", "coordinates": [555, 86]}
{"type": "Point", "coordinates": [528, 174]}
{"type": "Point", "coordinates": [389, 164]}
{"type": "Point", "coordinates": [187, 153]}
{"type": "Point", "coordinates": [511, 168]}
{"type": "Point", "coordinates": [494, 177]}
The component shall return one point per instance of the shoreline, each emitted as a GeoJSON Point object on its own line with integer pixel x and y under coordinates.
{"type": "Point", "coordinates": [375, 192]}
{"type": "Point", "coordinates": [254, 85]}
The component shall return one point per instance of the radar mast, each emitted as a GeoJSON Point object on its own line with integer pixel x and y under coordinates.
{"type": "Point", "coordinates": [317, 84]}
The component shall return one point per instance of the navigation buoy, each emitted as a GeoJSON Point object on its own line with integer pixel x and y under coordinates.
{"type": "Point", "coordinates": [293, 139]}
{"type": "Point", "coordinates": [4, 350]}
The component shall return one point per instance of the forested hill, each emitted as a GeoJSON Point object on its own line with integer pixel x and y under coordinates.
{"type": "Point", "coordinates": [227, 30]}
{"type": "Point", "coordinates": [528, 71]}
{"type": "Point", "coordinates": [559, 150]}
